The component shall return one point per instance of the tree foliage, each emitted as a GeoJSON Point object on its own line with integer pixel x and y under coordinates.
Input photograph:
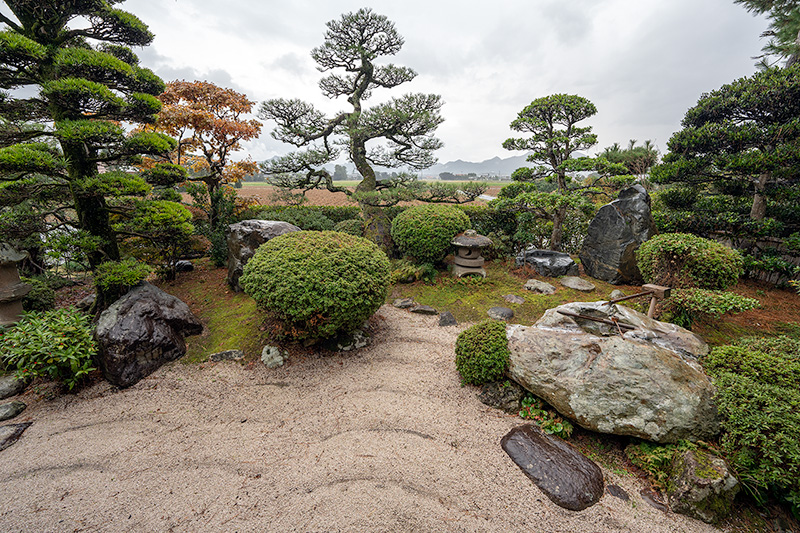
{"type": "Point", "coordinates": [555, 137]}
{"type": "Point", "coordinates": [637, 159]}
{"type": "Point", "coordinates": [402, 128]}
{"type": "Point", "coordinates": [63, 148]}
{"type": "Point", "coordinates": [783, 31]}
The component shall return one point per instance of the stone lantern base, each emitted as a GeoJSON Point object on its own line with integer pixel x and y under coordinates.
{"type": "Point", "coordinates": [12, 290]}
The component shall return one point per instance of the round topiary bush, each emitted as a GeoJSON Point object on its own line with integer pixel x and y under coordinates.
{"type": "Point", "coordinates": [686, 260]}
{"type": "Point", "coordinates": [318, 283]}
{"type": "Point", "coordinates": [424, 232]}
{"type": "Point", "coordinates": [353, 226]}
{"type": "Point", "coordinates": [482, 354]}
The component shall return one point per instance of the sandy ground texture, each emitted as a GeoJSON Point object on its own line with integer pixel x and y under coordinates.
{"type": "Point", "coordinates": [381, 440]}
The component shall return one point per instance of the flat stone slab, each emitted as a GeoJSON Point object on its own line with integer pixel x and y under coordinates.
{"type": "Point", "coordinates": [567, 477]}
{"type": "Point", "coordinates": [227, 355]}
{"type": "Point", "coordinates": [404, 303]}
{"type": "Point", "coordinates": [541, 287]}
{"type": "Point", "coordinates": [579, 284]}
{"type": "Point", "coordinates": [11, 385]}
{"type": "Point", "coordinates": [11, 433]}
{"type": "Point", "coordinates": [11, 409]}
{"type": "Point", "coordinates": [514, 299]}
{"type": "Point", "coordinates": [447, 319]}
{"type": "Point", "coordinates": [424, 310]}
{"type": "Point", "coordinates": [501, 313]}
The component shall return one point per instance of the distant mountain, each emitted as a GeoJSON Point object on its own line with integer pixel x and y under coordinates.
{"type": "Point", "coordinates": [494, 166]}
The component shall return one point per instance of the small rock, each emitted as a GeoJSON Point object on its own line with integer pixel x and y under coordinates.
{"type": "Point", "coordinates": [548, 262]}
{"type": "Point", "coordinates": [11, 409]}
{"type": "Point", "coordinates": [424, 310]}
{"type": "Point", "coordinates": [227, 355]}
{"type": "Point", "coordinates": [183, 266]}
{"type": "Point", "coordinates": [701, 486]}
{"type": "Point", "coordinates": [541, 287]}
{"type": "Point", "coordinates": [574, 282]}
{"type": "Point", "coordinates": [345, 342]}
{"type": "Point", "coordinates": [505, 395]}
{"type": "Point", "coordinates": [11, 433]}
{"type": "Point", "coordinates": [500, 313]}
{"type": "Point", "coordinates": [566, 476]}
{"type": "Point", "coordinates": [273, 357]}
{"type": "Point", "coordinates": [447, 319]}
{"type": "Point", "coordinates": [404, 303]}
{"type": "Point", "coordinates": [617, 492]}
{"type": "Point", "coordinates": [87, 302]}
{"type": "Point", "coordinates": [11, 385]}
{"type": "Point", "coordinates": [616, 293]}
{"type": "Point", "coordinates": [653, 499]}
{"type": "Point", "coordinates": [514, 299]}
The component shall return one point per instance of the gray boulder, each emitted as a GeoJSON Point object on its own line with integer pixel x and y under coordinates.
{"type": "Point", "coordinates": [11, 385]}
{"type": "Point", "coordinates": [548, 262]}
{"type": "Point", "coordinates": [539, 287]}
{"type": "Point", "coordinates": [11, 433]}
{"type": "Point", "coordinates": [140, 332]}
{"type": "Point", "coordinates": [701, 486]}
{"type": "Point", "coordinates": [567, 477]}
{"type": "Point", "coordinates": [579, 284]}
{"type": "Point", "coordinates": [500, 313]}
{"type": "Point", "coordinates": [11, 410]}
{"type": "Point", "coordinates": [446, 318]}
{"type": "Point", "coordinates": [243, 238]}
{"type": "Point", "coordinates": [614, 235]}
{"type": "Point", "coordinates": [646, 383]}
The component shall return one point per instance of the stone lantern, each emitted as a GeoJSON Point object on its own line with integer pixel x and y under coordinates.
{"type": "Point", "coordinates": [468, 258]}
{"type": "Point", "coordinates": [12, 290]}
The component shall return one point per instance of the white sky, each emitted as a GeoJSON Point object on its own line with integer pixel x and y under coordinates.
{"type": "Point", "coordinates": [643, 63]}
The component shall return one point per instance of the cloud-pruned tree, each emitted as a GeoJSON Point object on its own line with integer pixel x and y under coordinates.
{"type": "Point", "coordinates": [783, 31]}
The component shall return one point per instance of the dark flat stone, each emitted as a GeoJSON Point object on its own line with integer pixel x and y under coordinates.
{"type": "Point", "coordinates": [653, 499]}
{"type": "Point", "coordinates": [424, 310]}
{"type": "Point", "coordinates": [514, 299]}
{"type": "Point", "coordinates": [501, 313]}
{"type": "Point", "coordinates": [227, 355]}
{"type": "Point", "coordinates": [447, 319]}
{"type": "Point", "coordinates": [10, 386]}
{"type": "Point", "coordinates": [11, 433]}
{"type": "Point", "coordinates": [617, 492]}
{"type": "Point", "coordinates": [403, 303]}
{"type": "Point", "coordinates": [567, 477]}
{"type": "Point", "coordinates": [11, 409]}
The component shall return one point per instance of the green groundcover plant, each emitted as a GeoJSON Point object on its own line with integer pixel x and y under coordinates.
{"type": "Point", "coordinates": [55, 344]}
{"type": "Point", "coordinates": [482, 353]}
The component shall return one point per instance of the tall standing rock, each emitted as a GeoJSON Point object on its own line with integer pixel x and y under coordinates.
{"type": "Point", "coordinates": [608, 251]}
{"type": "Point", "coordinates": [243, 238]}
{"type": "Point", "coordinates": [140, 332]}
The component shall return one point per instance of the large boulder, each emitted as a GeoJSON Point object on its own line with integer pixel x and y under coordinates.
{"type": "Point", "coordinates": [243, 238]}
{"type": "Point", "coordinates": [140, 332]}
{"type": "Point", "coordinates": [548, 263]}
{"type": "Point", "coordinates": [645, 383]}
{"type": "Point", "coordinates": [608, 251]}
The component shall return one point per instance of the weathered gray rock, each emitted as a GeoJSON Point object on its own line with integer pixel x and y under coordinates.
{"type": "Point", "coordinates": [140, 332]}
{"type": "Point", "coordinates": [11, 409]}
{"type": "Point", "coordinates": [617, 492]}
{"type": "Point", "coordinates": [227, 355]}
{"type": "Point", "coordinates": [608, 251]}
{"type": "Point", "coordinates": [11, 385]}
{"type": "Point", "coordinates": [11, 433]}
{"type": "Point", "coordinates": [500, 313]}
{"type": "Point", "coordinates": [87, 302]}
{"type": "Point", "coordinates": [701, 486]}
{"type": "Point", "coordinates": [646, 383]}
{"type": "Point", "coordinates": [183, 266]}
{"type": "Point", "coordinates": [540, 287]}
{"type": "Point", "coordinates": [347, 341]}
{"type": "Point", "coordinates": [273, 357]}
{"type": "Point", "coordinates": [579, 284]}
{"type": "Point", "coordinates": [514, 299]}
{"type": "Point", "coordinates": [243, 238]}
{"type": "Point", "coordinates": [404, 303]}
{"type": "Point", "coordinates": [616, 293]}
{"type": "Point", "coordinates": [447, 319]}
{"type": "Point", "coordinates": [505, 395]}
{"type": "Point", "coordinates": [548, 262]}
{"type": "Point", "coordinates": [568, 478]}
{"type": "Point", "coordinates": [424, 310]}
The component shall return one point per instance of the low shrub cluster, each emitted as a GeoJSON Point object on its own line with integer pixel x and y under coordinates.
{"type": "Point", "coordinates": [424, 232]}
{"type": "Point", "coordinates": [41, 296]}
{"type": "Point", "coordinates": [482, 353]}
{"type": "Point", "coordinates": [335, 214]}
{"type": "Point", "coordinates": [685, 306]}
{"type": "Point", "coordinates": [318, 283]}
{"type": "Point", "coordinates": [758, 395]}
{"type": "Point", "coordinates": [55, 344]}
{"type": "Point", "coordinates": [686, 260]}
{"type": "Point", "coordinates": [353, 226]}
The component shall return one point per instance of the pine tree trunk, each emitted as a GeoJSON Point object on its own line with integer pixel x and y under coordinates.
{"type": "Point", "coordinates": [558, 229]}
{"type": "Point", "coordinates": [759, 209]}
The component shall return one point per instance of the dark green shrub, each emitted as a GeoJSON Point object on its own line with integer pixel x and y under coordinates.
{"type": "Point", "coordinates": [304, 219]}
{"type": "Point", "coordinates": [42, 297]}
{"type": "Point", "coordinates": [685, 260]}
{"type": "Point", "coordinates": [115, 278]}
{"type": "Point", "coordinates": [335, 213]}
{"type": "Point", "coordinates": [685, 306]}
{"type": "Point", "coordinates": [353, 226]}
{"type": "Point", "coordinates": [424, 232]}
{"type": "Point", "coordinates": [318, 283]}
{"type": "Point", "coordinates": [758, 396]}
{"type": "Point", "coordinates": [55, 344]}
{"type": "Point", "coordinates": [482, 353]}
{"type": "Point", "coordinates": [404, 271]}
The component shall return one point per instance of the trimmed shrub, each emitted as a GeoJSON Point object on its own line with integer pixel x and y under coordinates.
{"type": "Point", "coordinates": [482, 353]}
{"type": "Point", "coordinates": [337, 213]}
{"type": "Point", "coordinates": [424, 232]}
{"type": "Point", "coordinates": [304, 219]}
{"type": "Point", "coordinates": [685, 260]}
{"type": "Point", "coordinates": [353, 226]}
{"type": "Point", "coordinates": [758, 395]}
{"type": "Point", "coordinates": [55, 344]}
{"type": "Point", "coordinates": [41, 297]}
{"type": "Point", "coordinates": [685, 306]}
{"type": "Point", "coordinates": [318, 283]}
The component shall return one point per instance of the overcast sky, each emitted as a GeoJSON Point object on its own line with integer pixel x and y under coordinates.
{"type": "Point", "coordinates": [643, 63]}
